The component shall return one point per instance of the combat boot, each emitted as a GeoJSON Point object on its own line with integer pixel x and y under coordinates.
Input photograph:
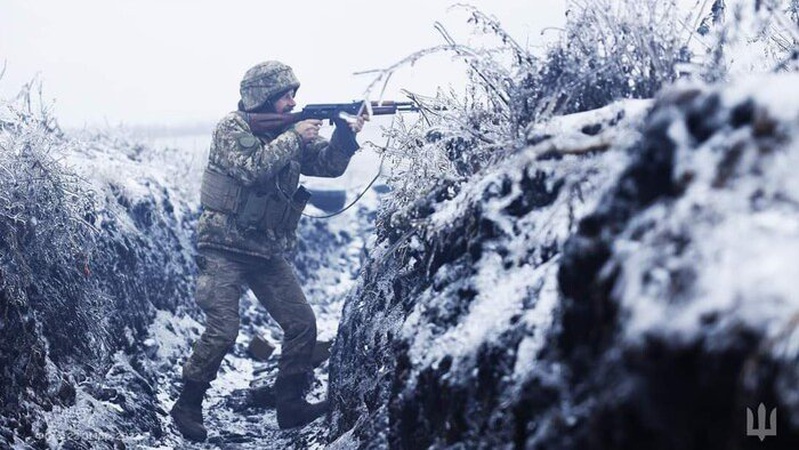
{"type": "Point", "coordinates": [188, 411]}
{"type": "Point", "coordinates": [292, 409]}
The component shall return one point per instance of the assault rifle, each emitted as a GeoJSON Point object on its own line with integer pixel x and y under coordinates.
{"type": "Point", "coordinates": [272, 122]}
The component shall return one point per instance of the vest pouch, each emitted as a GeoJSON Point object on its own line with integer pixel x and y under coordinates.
{"type": "Point", "coordinates": [275, 212]}
{"type": "Point", "coordinates": [294, 211]}
{"type": "Point", "coordinates": [219, 192]}
{"type": "Point", "coordinates": [252, 209]}
{"type": "Point", "coordinates": [289, 177]}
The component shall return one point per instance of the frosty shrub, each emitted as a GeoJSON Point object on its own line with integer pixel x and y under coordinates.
{"type": "Point", "coordinates": [608, 51]}
{"type": "Point", "coordinates": [459, 133]}
{"type": "Point", "coordinates": [45, 234]}
{"type": "Point", "coordinates": [739, 37]}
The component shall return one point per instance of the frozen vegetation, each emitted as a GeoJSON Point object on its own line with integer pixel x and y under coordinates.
{"type": "Point", "coordinates": [593, 248]}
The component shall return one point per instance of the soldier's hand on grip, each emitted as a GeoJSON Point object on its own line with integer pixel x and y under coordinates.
{"type": "Point", "coordinates": [308, 129]}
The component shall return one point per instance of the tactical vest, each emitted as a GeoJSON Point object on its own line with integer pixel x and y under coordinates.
{"type": "Point", "coordinates": [274, 205]}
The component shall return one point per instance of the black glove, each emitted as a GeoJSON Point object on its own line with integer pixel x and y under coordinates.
{"type": "Point", "coordinates": [344, 138]}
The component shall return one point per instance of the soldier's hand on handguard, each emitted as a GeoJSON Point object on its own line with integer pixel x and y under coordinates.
{"type": "Point", "coordinates": [354, 122]}
{"type": "Point", "coordinates": [357, 125]}
{"type": "Point", "coordinates": [308, 129]}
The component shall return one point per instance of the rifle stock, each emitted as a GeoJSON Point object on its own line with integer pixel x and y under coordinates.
{"type": "Point", "coordinates": [261, 123]}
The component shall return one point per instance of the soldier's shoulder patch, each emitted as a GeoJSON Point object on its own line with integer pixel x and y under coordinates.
{"type": "Point", "coordinates": [246, 140]}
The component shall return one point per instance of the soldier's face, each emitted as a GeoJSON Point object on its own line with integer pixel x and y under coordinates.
{"type": "Point", "coordinates": [285, 103]}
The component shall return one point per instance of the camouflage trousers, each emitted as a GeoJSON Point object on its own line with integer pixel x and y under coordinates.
{"type": "Point", "coordinates": [221, 283]}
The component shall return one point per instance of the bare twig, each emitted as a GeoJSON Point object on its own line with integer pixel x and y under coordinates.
{"type": "Point", "coordinates": [471, 62]}
{"type": "Point", "coordinates": [383, 74]}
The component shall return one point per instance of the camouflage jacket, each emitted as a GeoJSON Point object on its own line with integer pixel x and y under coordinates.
{"type": "Point", "coordinates": [256, 160]}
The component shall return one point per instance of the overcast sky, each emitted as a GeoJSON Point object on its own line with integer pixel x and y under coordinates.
{"type": "Point", "coordinates": [167, 62]}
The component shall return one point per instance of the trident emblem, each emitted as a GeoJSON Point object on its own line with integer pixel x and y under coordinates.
{"type": "Point", "coordinates": [761, 431]}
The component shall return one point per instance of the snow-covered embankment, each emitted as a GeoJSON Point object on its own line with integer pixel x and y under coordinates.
{"type": "Point", "coordinates": [612, 285]}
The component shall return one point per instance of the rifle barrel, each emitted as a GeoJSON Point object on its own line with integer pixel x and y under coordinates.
{"type": "Point", "coordinates": [391, 107]}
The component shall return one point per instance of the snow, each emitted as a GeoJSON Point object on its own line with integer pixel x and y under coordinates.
{"type": "Point", "coordinates": [772, 92]}
{"type": "Point", "coordinates": [344, 442]}
{"type": "Point", "coordinates": [744, 232]}
{"type": "Point", "coordinates": [567, 125]}
{"type": "Point", "coordinates": [539, 320]}
{"type": "Point", "coordinates": [566, 134]}
{"type": "Point", "coordinates": [500, 296]}
{"type": "Point", "coordinates": [91, 419]}
{"type": "Point", "coordinates": [504, 293]}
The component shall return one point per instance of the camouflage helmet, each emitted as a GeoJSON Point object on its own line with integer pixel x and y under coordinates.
{"type": "Point", "coordinates": [265, 80]}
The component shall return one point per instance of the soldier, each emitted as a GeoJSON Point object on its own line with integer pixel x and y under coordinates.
{"type": "Point", "coordinates": [252, 203]}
